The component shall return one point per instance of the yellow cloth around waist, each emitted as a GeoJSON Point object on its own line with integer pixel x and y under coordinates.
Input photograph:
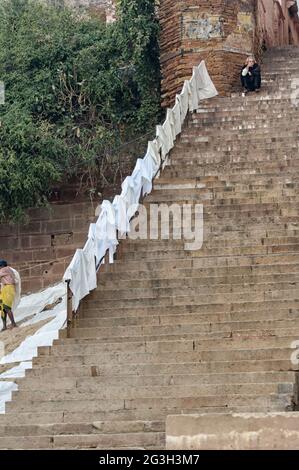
{"type": "Point", "coordinates": [7, 296]}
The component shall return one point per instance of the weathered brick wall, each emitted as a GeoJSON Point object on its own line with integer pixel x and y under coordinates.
{"type": "Point", "coordinates": [220, 32]}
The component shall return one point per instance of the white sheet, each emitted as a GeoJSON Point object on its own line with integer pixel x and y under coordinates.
{"type": "Point", "coordinates": [143, 175]}
{"type": "Point", "coordinates": [121, 215]}
{"type": "Point", "coordinates": [131, 191]}
{"type": "Point", "coordinates": [76, 273]}
{"type": "Point", "coordinates": [18, 289]}
{"type": "Point", "coordinates": [177, 117]}
{"type": "Point", "coordinates": [205, 86]}
{"type": "Point", "coordinates": [183, 99]}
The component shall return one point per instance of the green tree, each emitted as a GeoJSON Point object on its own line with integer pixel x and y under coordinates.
{"type": "Point", "coordinates": [76, 89]}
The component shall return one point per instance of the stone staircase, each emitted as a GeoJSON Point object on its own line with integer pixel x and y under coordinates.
{"type": "Point", "coordinates": [171, 331]}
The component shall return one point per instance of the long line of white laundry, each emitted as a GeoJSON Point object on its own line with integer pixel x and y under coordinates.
{"type": "Point", "coordinates": [113, 222]}
{"type": "Point", "coordinates": [114, 218]}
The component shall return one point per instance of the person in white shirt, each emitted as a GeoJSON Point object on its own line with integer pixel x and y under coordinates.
{"type": "Point", "coordinates": [251, 76]}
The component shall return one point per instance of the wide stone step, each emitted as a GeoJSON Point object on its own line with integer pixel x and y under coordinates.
{"type": "Point", "coordinates": [189, 336]}
{"type": "Point", "coordinates": [162, 369]}
{"type": "Point", "coordinates": [69, 384]}
{"type": "Point", "coordinates": [199, 288]}
{"type": "Point", "coordinates": [205, 262]}
{"type": "Point", "coordinates": [213, 274]}
{"type": "Point", "coordinates": [172, 405]}
{"type": "Point", "coordinates": [83, 417]}
{"type": "Point", "coordinates": [205, 120]}
{"type": "Point", "coordinates": [126, 392]}
{"type": "Point", "coordinates": [74, 346]}
{"type": "Point", "coordinates": [97, 427]}
{"type": "Point", "coordinates": [287, 307]}
{"type": "Point", "coordinates": [185, 319]}
{"type": "Point", "coordinates": [275, 133]}
{"type": "Point", "coordinates": [86, 441]}
{"type": "Point", "coordinates": [136, 357]}
{"type": "Point", "coordinates": [233, 250]}
{"type": "Point", "coordinates": [231, 168]}
{"type": "Point", "coordinates": [288, 293]}
{"type": "Point", "coordinates": [95, 321]}
{"type": "Point", "coordinates": [233, 279]}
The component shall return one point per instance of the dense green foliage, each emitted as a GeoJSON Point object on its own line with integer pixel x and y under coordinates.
{"type": "Point", "coordinates": [75, 90]}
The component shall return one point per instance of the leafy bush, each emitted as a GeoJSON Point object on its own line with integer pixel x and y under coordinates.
{"type": "Point", "coordinates": [75, 90]}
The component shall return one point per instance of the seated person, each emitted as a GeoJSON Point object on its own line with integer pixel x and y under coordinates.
{"type": "Point", "coordinates": [251, 76]}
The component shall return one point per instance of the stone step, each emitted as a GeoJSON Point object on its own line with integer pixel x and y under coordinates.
{"type": "Point", "coordinates": [248, 116]}
{"type": "Point", "coordinates": [200, 279]}
{"type": "Point", "coordinates": [241, 276]}
{"type": "Point", "coordinates": [161, 292]}
{"type": "Point", "coordinates": [69, 417]}
{"type": "Point", "coordinates": [173, 405]}
{"type": "Point", "coordinates": [182, 343]}
{"type": "Point", "coordinates": [73, 346]}
{"type": "Point", "coordinates": [92, 320]}
{"type": "Point", "coordinates": [221, 275]}
{"type": "Point", "coordinates": [85, 441]}
{"type": "Point", "coordinates": [212, 199]}
{"type": "Point", "coordinates": [229, 175]}
{"type": "Point", "coordinates": [269, 132]}
{"type": "Point", "coordinates": [235, 312]}
{"type": "Point", "coordinates": [69, 384]}
{"type": "Point", "coordinates": [203, 299]}
{"type": "Point", "coordinates": [281, 332]}
{"type": "Point", "coordinates": [89, 322]}
{"type": "Point", "coordinates": [252, 183]}
{"type": "Point", "coordinates": [101, 392]}
{"type": "Point", "coordinates": [234, 250]}
{"type": "Point", "coordinates": [205, 262]}
{"type": "Point", "coordinates": [163, 369]}
{"type": "Point", "coordinates": [136, 357]}
{"type": "Point", "coordinates": [197, 161]}
{"type": "Point", "coordinates": [94, 428]}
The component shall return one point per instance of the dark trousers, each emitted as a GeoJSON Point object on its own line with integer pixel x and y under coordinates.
{"type": "Point", "coordinates": [251, 82]}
